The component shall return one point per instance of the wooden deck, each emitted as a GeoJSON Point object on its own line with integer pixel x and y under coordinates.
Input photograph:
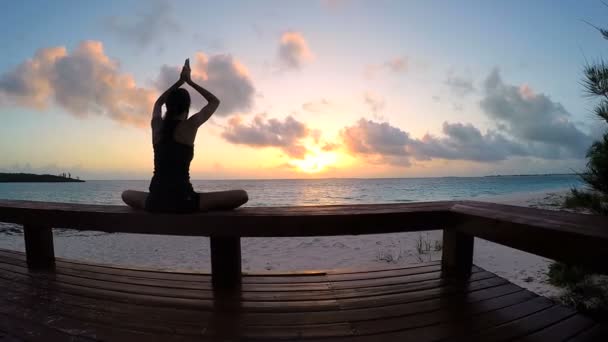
{"type": "Point", "coordinates": [79, 301]}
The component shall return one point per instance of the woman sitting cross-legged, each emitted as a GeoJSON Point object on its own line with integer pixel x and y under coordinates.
{"type": "Point", "coordinates": [173, 139]}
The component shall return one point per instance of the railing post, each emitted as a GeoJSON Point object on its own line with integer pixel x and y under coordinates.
{"type": "Point", "coordinates": [457, 255]}
{"type": "Point", "coordinates": [39, 249]}
{"type": "Point", "coordinates": [225, 261]}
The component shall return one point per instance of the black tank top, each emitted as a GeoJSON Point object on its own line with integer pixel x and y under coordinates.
{"type": "Point", "coordinates": [170, 188]}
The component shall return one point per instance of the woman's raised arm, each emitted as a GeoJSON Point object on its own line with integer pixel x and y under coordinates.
{"type": "Point", "coordinates": [204, 114]}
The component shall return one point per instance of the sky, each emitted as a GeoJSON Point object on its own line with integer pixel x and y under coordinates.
{"type": "Point", "coordinates": [308, 89]}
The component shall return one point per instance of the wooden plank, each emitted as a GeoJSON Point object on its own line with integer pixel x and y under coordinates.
{"type": "Point", "coordinates": [453, 327]}
{"type": "Point", "coordinates": [39, 246]}
{"type": "Point", "coordinates": [171, 292]}
{"type": "Point", "coordinates": [103, 306]}
{"type": "Point", "coordinates": [6, 337]}
{"type": "Point", "coordinates": [307, 277]}
{"type": "Point", "coordinates": [170, 279]}
{"type": "Point", "coordinates": [525, 325]}
{"type": "Point", "coordinates": [595, 333]}
{"type": "Point", "coordinates": [389, 310]}
{"type": "Point", "coordinates": [381, 282]}
{"type": "Point", "coordinates": [419, 294]}
{"type": "Point", "coordinates": [379, 269]}
{"type": "Point", "coordinates": [450, 315]}
{"type": "Point", "coordinates": [225, 261]}
{"type": "Point", "coordinates": [457, 253]}
{"type": "Point", "coordinates": [276, 332]}
{"type": "Point", "coordinates": [23, 329]}
{"type": "Point", "coordinates": [561, 331]}
{"type": "Point", "coordinates": [117, 270]}
{"type": "Point", "coordinates": [147, 325]}
{"type": "Point", "coordinates": [175, 284]}
{"type": "Point", "coordinates": [76, 322]}
{"type": "Point", "coordinates": [57, 326]}
{"type": "Point", "coordinates": [382, 274]}
{"type": "Point", "coordinates": [326, 330]}
{"type": "Point", "coordinates": [403, 287]}
{"type": "Point", "coordinates": [155, 300]}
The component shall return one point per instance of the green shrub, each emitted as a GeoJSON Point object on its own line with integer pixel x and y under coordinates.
{"type": "Point", "coordinates": [584, 290]}
{"type": "Point", "coordinates": [563, 275]}
{"type": "Point", "coordinates": [587, 296]}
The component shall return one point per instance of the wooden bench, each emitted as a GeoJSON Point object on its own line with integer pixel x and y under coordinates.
{"type": "Point", "coordinates": [568, 237]}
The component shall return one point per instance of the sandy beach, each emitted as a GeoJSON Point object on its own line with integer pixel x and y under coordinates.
{"type": "Point", "coordinates": [305, 253]}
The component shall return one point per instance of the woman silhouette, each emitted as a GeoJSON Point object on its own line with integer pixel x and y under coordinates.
{"type": "Point", "coordinates": [173, 139]}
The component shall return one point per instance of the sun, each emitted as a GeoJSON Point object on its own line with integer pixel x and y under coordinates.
{"type": "Point", "coordinates": [315, 161]}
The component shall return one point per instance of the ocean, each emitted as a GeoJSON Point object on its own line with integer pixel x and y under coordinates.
{"type": "Point", "coordinates": [306, 191]}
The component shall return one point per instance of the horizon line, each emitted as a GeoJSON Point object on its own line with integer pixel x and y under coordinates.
{"type": "Point", "coordinates": [347, 178]}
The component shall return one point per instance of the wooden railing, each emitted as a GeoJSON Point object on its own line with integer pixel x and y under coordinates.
{"type": "Point", "coordinates": [568, 237]}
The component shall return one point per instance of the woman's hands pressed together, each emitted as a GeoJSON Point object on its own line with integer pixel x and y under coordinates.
{"type": "Point", "coordinates": [186, 74]}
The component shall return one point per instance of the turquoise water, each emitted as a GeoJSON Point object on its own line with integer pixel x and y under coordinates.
{"type": "Point", "coordinates": [306, 191]}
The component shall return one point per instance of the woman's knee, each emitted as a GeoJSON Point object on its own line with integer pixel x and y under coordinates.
{"type": "Point", "coordinates": [242, 196]}
{"type": "Point", "coordinates": [126, 195]}
{"type": "Point", "coordinates": [134, 198]}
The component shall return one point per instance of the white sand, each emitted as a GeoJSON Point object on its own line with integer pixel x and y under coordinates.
{"type": "Point", "coordinates": [291, 254]}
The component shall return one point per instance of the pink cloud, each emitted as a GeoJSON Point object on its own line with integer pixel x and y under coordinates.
{"type": "Point", "coordinates": [83, 82]}
{"type": "Point", "coordinates": [294, 51]}
{"type": "Point", "coordinates": [261, 132]}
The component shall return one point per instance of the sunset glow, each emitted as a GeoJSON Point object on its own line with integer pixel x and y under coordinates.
{"type": "Point", "coordinates": [315, 161]}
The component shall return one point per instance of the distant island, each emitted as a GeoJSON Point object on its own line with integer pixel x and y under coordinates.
{"type": "Point", "coordinates": [32, 178]}
{"type": "Point", "coordinates": [536, 175]}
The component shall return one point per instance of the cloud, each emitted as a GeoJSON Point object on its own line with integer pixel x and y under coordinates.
{"type": "Point", "coordinates": [460, 85]}
{"type": "Point", "coordinates": [261, 132]}
{"type": "Point", "coordinates": [466, 142]}
{"type": "Point", "coordinates": [374, 101]}
{"type": "Point", "coordinates": [394, 65]}
{"type": "Point", "coordinates": [293, 50]}
{"type": "Point", "coordinates": [328, 147]}
{"type": "Point", "coordinates": [533, 117]}
{"type": "Point", "coordinates": [372, 138]}
{"type": "Point", "coordinates": [83, 82]}
{"type": "Point", "coordinates": [151, 25]}
{"type": "Point", "coordinates": [222, 75]}
{"type": "Point", "coordinates": [316, 106]}
{"type": "Point", "coordinates": [87, 82]}
{"type": "Point", "coordinates": [381, 142]}
{"type": "Point", "coordinates": [397, 64]}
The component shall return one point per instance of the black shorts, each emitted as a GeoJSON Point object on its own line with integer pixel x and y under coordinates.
{"type": "Point", "coordinates": [169, 203]}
